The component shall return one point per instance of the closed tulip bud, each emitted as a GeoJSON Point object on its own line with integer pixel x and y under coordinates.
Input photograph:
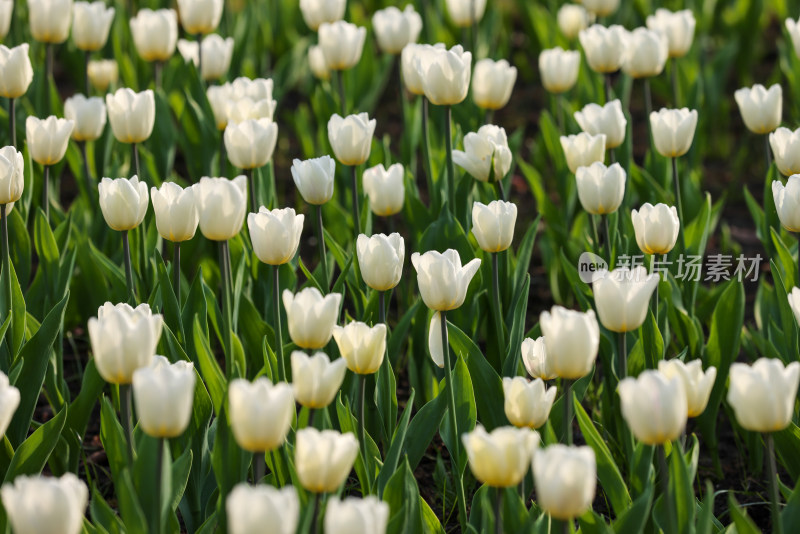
{"type": "Point", "coordinates": [500, 458]}
{"type": "Point", "coordinates": [583, 149]}
{"type": "Point", "coordinates": [176, 212]}
{"type": "Point", "coordinates": [785, 145]}
{"type": "Point", "coordinates": [678, 27]}
{"type": "Point", "coordinates": [123, 340]}
{"type": "Point", "coordinates": [435, 339]}
{"type": "Point", "coordinates": [316, 379]}
{"type": "Point", "coordinates": [793, 28]}
{"type": "Point", "coordinates": [527, 404]}
{"type": "Point", "coordinates": [571, 340]}
{"type": "Point", "coordinates": [217, 54]}
{"type": "Point", "coordinates": [656, 228]}
{"type": "Point", "coordinates": [48, 138]}
{"type": "Point", "coordinates": [482, 149]}
{"type": "Point", "coordinates": [9, 401]}
{"type": "Point", "coordinates": [566, 479]}
{"type": "Point", "coordinates": [394, 29]}
{"type": "Point", "coordinates": [262, 509]}
{"type": "Point", "coordinates": [315, 12]}
{"type": "Point", "coordinates": [444, 74]}
{"type": "Point", "coordinates": [558, 69]}
{"type": "Point", "coordinates": [88, 114]}
{"type": "Point", "coordinates": [219, 98]}
{"type": "Point", "coordinates": [608, 120]}
{"type": "Point", "coordinates": [600, 188]}
{"type": "Point", "coordinates": [318, 63]}
{"type": "Point", "coordinates": [605, 48]}
{"type": "Point", "coordinates": [275, 234]}
{"type": "Point", "coordinates": [351, 137]}
{"type": "Point", "coordinates": [102, 73]}
{"type": "Point", "coordinates": [323, 459]}
{"type": "Point", "coordinates": [673, 130]}
{"type": "Point", "coordinates": [408, 62]}
{"type": "Point", "coordinates": [159, 385]}
{"type": "Point", "coordinates": [199, 17]}
{"type": "Point", "coordinates": [260, 413]}
{"type": "Point", "coordinates": [155, 33]}
{"type": "Point", "coordinates": [361, 346]}
{"type": "Point", "coordinates": [256, 89]}
{"type": "Point", "coordinates": [91, 23]}
{"type": "Point", "coordinates": [132, 115]}
{"type": "Point", "coordinates": [314, 179]}
{"type": "Point", "coordinates": [601, 8]}
{"type": "Point", "coordinates": [493, 224]}
{"type": "Point", "coordinates": [16, 72]}
{"type": "Point", "coordinates": [464, 13]}
{"type": "Point", "coordinates": [36, 504]}
{"type": "Point", "coordinates": [380, 259]}
{"type": "Point", "coordinates": [342, 43]}
{"type": "Point", "coordinates": [12, 178]}
{"type": "Point", "coordinates": [763, 395]}
{"type": "Point", "coordinates": [787, 202]}
{"type": "Point", "coordinates": [356, 516]}
{"type": "Point", "coordinates": [222, 205]}
{"type": "Point", "coordinates": [123, 202]}
{"type": "Point", "coordinates": [6, 10]}
{"type": "Point", "coordinates": [311, 316]}
{"type": "Point", "coordinates": [794, 303]}
{"type": "Point", "coordinates": [760, 108]}
{"type": "Point", "coordinates": [50, 20]}
{"type": "Point", "coordinates": [696, 384]}
{"type": "Point", "coordinates": [492, 83]}
{"type": "Point", "coordinates": [443, 282]}
{"type": "Point", "coordinates": [572, 18]}
{"type": "Point", "coordinates": [654, 406]}
{"type": "Point", "coordinates": [534, 356]}
{"type": "Point", "coordinates": [385, 189]}
{"type": "Point", "coordinates": [246, 108]}
{"type": "Point", "coordinates": [249, 144]}
{"type": "Point", "coordinates": [622, 297]}
{"type": "Point", "coordinates": [646, 55]}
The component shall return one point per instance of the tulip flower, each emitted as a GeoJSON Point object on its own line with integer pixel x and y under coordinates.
{"type": "Point", "coordinates": [408, 60]}
{"type": "Point", "coordinates": [250, 145]}
{"type": "Point", "coordinates": [696, 383]}
{"type": "Point", "coordinates": [342, 44]}
{"type": "Point", "coordinates": [605, 48]}
{"type": "Point", "coordinates": [527, 404]}
{"type": "Point", "coordinates": [47, 142]}
{"type": "Point", "coordinates": [492, 83]}
{"type": "Point", "coordinates": [785, 145]}
{"type": "Point", "coordinates": [200, 17]}
{"type": "Point", "coordinates": [215, 52]}
{"type": "Point", "coordinates": [601, 189]}
{"type": "Point", "coordinates": [6, 10]}
{"type": "Point", "coordinates": [385, 189]}
{"type": "Point", "coordinates": [260, 413]}
{"type": "Point", "coordinates": [155, 34]}
{"type": "Point", "coordinates": [380, 259]}
{"type": "Point", "coordinates": [534, 356]}
{"type": "Point", "coordinates": [361, 346]}
{"type": "Point", "coordinates": [323, 459]}
{"type": "Point", "coordinates": [241, 109]}
{"type": "Point", "coordinates": [50, 21]}
{"type": "Point", "coordinates": [123, 202]}
{"type": "Point", "coordinates": [311, 316]}
{"type": "Point", "coordinates": [608, 120]}
{"type": "Point", "coordinates": [583, 149]}
{"type": "Point", "coordinates": [465, 13]}
{"type": "Point", "coordinates": [647, 53]}
{"type": "Point", "coordinates": [394, 29]}
{"type": "Point", "coordinates": [12, 184]}
{"type": "Point", "coordinates": [654, 406]}
{"type": "Point", "coordinates": [351, 140]}
{"type": "Point", "coordinates": [316, 379]}
{"type": "Point", "coordinates": [500, 458]}
{"type": "Point", "coordinates": [89, 116]}
{"type": "Point", "coordinates": [220, 100]}
{"type": "Point", "coordinates": [678, 27]}
{"type": "Point", "coordinates": [356, 516]}
{"type": "Point", "coordinates": [794, 303]}
{"type": "Point", "coordinates": [132, 117]}
{"type": "Point", "coordinates": [176, 220]}
{"type": "Point", "coordinates": [435, 340]}
{"type": "Point", "coordinates": [486, 156]}
{"type": "Point", "coordinates": [621, 297]}
{"type": "Point", "coordinates": [761, 110]}
{"type": "Point", "coordinates": [787, 200]}
{"type": "Point", "coordinates": [315, 12]}
{"type": "Point", "coordinates": [558, 69]}
{"type": "Point", "coordinates": [45, 504]}
{"type": "Point", "coordinates": [571, 19]}
{"type": "Point", "coordinates": [317, 63]}
{"type": "Point", "coordinates": [262, 509]}
{"type": "Point", "coordinates": [102, 73]}
{"type": "Point", "coordinates": [656, 228]}
{"type": "Point", "coordinates": [445, 74]}
{"type": "Point", "coordinates": [163, 384]}
{"type": "Point", "coordinates": [16, 75]}
{"type": "Point", "coordinates": [793, 29]}
{"type": "Point", "coordinates": [601, 8]}
{"type": "Point", "coordinates": [9, 401]}
{"type": "Point", "coordinates": [566, 479]}
{"type": "Point", "coordinates": [91, 24]}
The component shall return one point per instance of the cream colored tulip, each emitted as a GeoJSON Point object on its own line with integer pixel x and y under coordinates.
{"type": "Point", "coordinates": [50, 20]}
{"type": "Point", "coordinates": [91, 23]}
{"type": "Point", "coordinates": [500, 458]}
{"type": "Point", "coordinates": [408, 63]}
{"type": "Point", "coordinates": [380, 259]}
{"type": "Point", "coordinates": [217, 54]}
{"type": "Point", "coordinates": [572, 18]}
{"type": "Point", "coordinates": [465, 13]}
{"type": "Point", "coordinates": [316, 379]}
{"type": "Point", "coordinates": [255, 89]}
{"type": "Point", "coordinates": [351, 137]}
{"type": "Point", "coordinates": [534, 356]}
{"type": "Point", "coordinates": [315, 12]}
{"type": "Point", "coordinates": [16, 72]}
{"type": "Point", "coordinates": [9, 401]}
{"type": "Point", "coordinates": [601, 189]}
{"type": "Point", "coordinates": [696, 383]}
{"type": "Point", "coordinates": [608, 120]}
{"type": "Point", "coordinates": [123, 202]}
{"type": "Point", "coordinates": [677, 26]}
{"type": "Point", "coordinates": [785, 145]}
{"type": "Point", "coordinates": [787, 202]}
{"type": "Point", "coordinates": [88, 114]}
{"type": "Point", "coordinates": [250, 144]}
{"type": "Point", "coordinates": [646, 55]}
{"type": "Point", "coordinates": [654, 406]}
{"type": "Point", "coordinates": [176, 212]}
{"type": "Point", "coordinates": [160, 385]}
{"type": "Point", "coordinates": [323, 459]}
{"type": "Point", "coordinates": [566, 479]}
{"type": "Point", "coordinates": [656, 228]}
{"type": "Point", "coordinates": [260, 413]}
{"type": "Point", "coordinates": [558, 69]}
{"type": "Point", "coordinates": [6, 11]}
{"type": "Point", "coordinates": [155, 33]}
{"type": "Point", "coordinates": [220, 100]}
{"type": "Point", "coordinates": [394, 29]}
{"type": "Point", "coordinates": [222, 206]}
{"type": "Point", "coordinates": [443, 281]}
{"type": "Point", "coordinates": [583, 149]}
{"type": "Point", "coordinates": [673, 131]}
{"type": "Point", "coordinates": [361, 346]}
{"type": "Point", "coordinates": [527, 404]}
{"type": "Point", "coordinates": [571, 339]}
{"type": "Point", "coordinates": [793, 29]}
{"type": "Point", "coordinates": [38, 504]}
{"type": "Point", "coordinates": [763, 395]}
{"type": "Point", "coordinates": [314, 179]}
{"type": "Point", "coordinates": [493, 224]}
{"type": "Point", "coordinates": [123, 339]}
{"type": "Point", "coordinates": [48, 138]}
{"type": "Point", "coordinates": [760, 108]}
{"type": "Point", "coordinates": [311, 316]}
{"type": "Point", "coordinates": [12, 177]}
{"type": "Point", "coordinates": [622, 297]}
{"type": "Point", "coordinates": [102, 73]}
{"type": "Point", "coordinates": [601, 8]}
{"type": "Point", "coordinates": [487, 147]}
{"type": "Point", "coordinates": [262, 509]}
{"type": "Point", "coordinates": [317, 63]}
{"type": "Point", "coordinates": [132, 115]}
{"type": "Point", "coordinates": [444, 74]}
{"type": "Point", "coordinates": [342, 43]}
{"type": "Point", "coordinates": [275, 234]}
{"type": "Point", "coordinates": [605, 48]}
{"type": "Point", "coordinates": [492, 83]}
{"type": "Point", "coordinates": [199, 17]}
{"type": "Point", "coordinates": [435, 339]}
{"type": "Point", "coordinates": [367, 515]}
{"type": "Point", "coordinates": [794, 302]}
{"type": "Point", "coordinates": [385, 189]}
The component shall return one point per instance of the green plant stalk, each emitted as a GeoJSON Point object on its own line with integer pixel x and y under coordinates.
{"type": "Point", "coordinates": [125, 415]}
{"type": "Point", "coordinates": [498, 508]}
{"type": "Point", "coordinates": [159, 482]}
{"type": "Point", "coordinates": [426, 150]}
{"type": "Point", "coordinates": [342, 94]}
{"type": "Point", "coordinates": [323, 257]}
{"type": "Point", "coordinates": [774, 495]}
{"type": "Point", "coordinates": [607, 80]}
{"type": "Point", "coordinates": [259, 467]}
{"type": "Point", "coordinates": [678, 201]}
{"type": "Point", "coordinates": [354, 193]}
{"type": "Point", "coordinates": [276, 313]}
{"type": "Point", "coordinates": [311, 413]}
{"type": "Point", "coordinates": [648, 107]}
{"type": "Point", "coordinates": [12, 120]}
{"type": "Point", "coordinates": [136, 160]}
{"type": "Point", "coordinates": [567, 385]}
{"type": "Point", "coordinates": [315, 514]}
{"type": "Point", "coordinates": [451, 170]}
{"type": "Point", "coordinates": [655, 299]}
{"type": "Point", "coordinates": [673, 72]}
{"type": "Point", "coordinates": [226, 307]}
{"type": "Point", "coordinates": [560, 113]}
{"type": "Point", "coordinates": [362, 434]}
{"type": "Point", "coordinates": [126, 249]}
{"type": "Point", "coordinates": [622, 355]}
{"type": "Point", "coordinates": [176, 271]}
{"type": "Point", "coordinates": [86, 57]}
{"type": "Point", "coordinates": [448, 371]}
{"type": "Point", "coordinates": [87, 175]}
{"type": "Point", "coordinates": [767, 152]}
{"type": "Point", "coordinates": [501, 191]}
{"type": "Point", "coordinates": [48, 61]}
{"type": "Point", "coordinates": [251, 185]}
{"type": "Point", "coordinates": [607, 239]}
{"type": "Point", "coordinates": [223, 158]}
{"type": "Point", "coordinates": [498, 307]}
{"type": "Point", "coordinates": [382, 307]}
{"type": "Point", "coordinates": [664, 471]}
{"type": "Point", "coordinates": [46, 192]}
{"type": "Point", "coordinates": [200, 57]}
{"type": "Point", "coordinates": [158, 67]}
{"type": "Point", "coordinates": [6, 261]}
{"type": "Point", "coordinates": [595, 234]}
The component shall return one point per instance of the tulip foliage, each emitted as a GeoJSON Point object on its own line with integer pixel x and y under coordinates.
{"type": "Point", "coordinates": [357, 267]}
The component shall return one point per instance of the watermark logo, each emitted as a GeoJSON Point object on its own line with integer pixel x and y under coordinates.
{"type": "Point", "coordinates": [591, 267]}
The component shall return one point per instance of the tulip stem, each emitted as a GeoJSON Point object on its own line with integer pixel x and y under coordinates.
{"type": "Point", "coordinates": [176, 271]}
{"type": "Point", "coordinates": [501, 191]}
{"type": "Point", "coordinates": [777, 524]}
{"type": "Point", "coordinates": [311, 413]}
{"type": "Point", "coordinates": [655, 300]}
{"type": "Point", "coordinates": [362, 395]}
{"type": "Point", "coordinates": [49, 71]}
{"type": "Point", "coordinates": [125, 415]}
{"type": "Point", "coordinates": [6, 262]}
{"type": "Point", "coordinates": [136, 160]}
{"type": "Point", "coordinates": [342, 97]}
{"type": "Point", "coordinates": [498, 507]}
{"type": "Point", "coordinates": [767, 152]}
{"type": "Point", "coordinates": [158, 67]}
{"type": "Point", "coordinates": [451, 170]}
{"type": "Point", "coordinates": [560, 113]}
{"type": "Point", "coordinates": [200, 57]}
{"type": "Point", "coordinates": [454, 456]}
{"type": "Point", "coordinates": [607, 240]}
{"type": "Point", "coordinates": [86, 57]}
{"type": "Point", "coordinates": [607, 79]}
{"type": "Point", "coordinates": [595, 234]}
{"type": "Point", "coordinates": [382, 307]}
{"type": "Point", "coordinates": [323, 258]}
{"type": "Point", "coordinates": [46, 192]}
{"type": "Point", "coordinates": [87, 176]}
{"type": "Point", "coordinates": [276, 311]}
{"type": "Point", "coordinates": [251, 184]}
{"type": "Point", "coordinates": [159, 482]}
{"type": "Point", "coordinates": [356, 218]}
{"type": "Point", "coordinates": [622, 362]}
{"type": "Point", "coordinates": [676, 179]}
{"type": "Point", "coordinates": [664, 472]}
{"type": "Point", "coordinates": [473, 27]}
{"type": "Point", "coordinates": [648, 108]}
{"type": "Point", "coordinates": [126, 249]}
{"type": "Point", "coordinates": [259, 467]}
{"type": "Point", "coordinates": [226, 306]}
{"type": "Point", "coordinates": [12, 120]}
{"type": "Point", "coordinates": [498, 307]}
{"type": "Point", "coordinates": [222, 156]}
{"type": "Point", "coordinates": [315, 514]}
{"type": "Point", "coordinates": [567, 385]}
{"type": "Point", "coordinates": [673, 71]}
{"type": "Point", "coordinates": [426, 151]}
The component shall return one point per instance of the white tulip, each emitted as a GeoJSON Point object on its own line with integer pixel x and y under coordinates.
{"type": "Point", "coordinates": [583, 149]}
{"type": "Point", "coordinates": [315, 12]}
{"type": "Point", "coordinates": [255, 89]}
{"type": "Point", "coordinates": [220, 100]}
{"type": "Point", "coordinates": [12, 177]}
{"type": "Point", "coordinates": [260, 413]}
{"type": "Point", "coordinates": [245, 108]}
{"type": "Point", "coordinates": [444, 74]}
{"type": "Point", "coordinates": [763, 395]}
{"type": "Point", "coordinates": [91, 23]}
{"type": "Point", "coordinates": [217, 54]}
{"type": "Point", "coordinates": [102, 73]}
{"type": "Point", "coordinates": [600, 188]}
{"type": "Point", "coordinates": [601, 8]}
{"type": "Point", "coordinates": [361, 346]}
{"type": "Point", "coordinates": [314, 179]}
{"type": "Point", "coordinates": [465, 13]}
{"type": "Point", "coordinates": [262, 509]}
{"type": "Point", "coordinates": [275, 234]}
{"type": "Point", "coordinates": [311, 316]}
{"type": "Point", "coordinates": [155, 33]}
{"type": "Point", "coordinates": [646, 55]}
{"type": "Point", "coordinates": [323, 459]}
{"type": "Point", "coordinates": [48, 138]}
{"type": "Point", "coordinates": [88, 114]}
{"type": "Point", "coordinates": [380, 259]}
{"type": "Point", "coordinates": [677, 26]}
{"type": "Point", "coordinates": [159, 385]}
{"type": "Point", "coordinates": [16, 72]}
{"type": "Point", "coordinates": [794, 302]}
{"type": "Point", "coordinates": [622, 297]}
{"type": "Point", "coordinates": [9, 401]}
{"type": "Point", "coordinates": [656, 228]}
{"type": "Point", "coordinates": [558, 69]}
{"type": "Point", "coordinates": [654, 406]}
{"type": "Point", "coordinates": [123, 202]}
{"type": "Point", "coordinates": [250, 144]}
{"type": "Point", "coordinates": [222, 206]}
{"type": "Point", "coordinates": [317, 63]}
{"type": "Point", "coordinates": [443, 282]}
{"type": "Point", "coordinates": [367, 515]}
{"type": "Point", "coordinates": [38, 504]}
{"type": "Point", "coordinates": [760, 108]}
{"type": "Point", "coordinates": [527, 404]}
{"type": "Point", "coordinates": [394, 29]}
{"type": "Point", "coordinates": [572, 18]}
{"type": "Point", "coordinates": [132, 115]}
{"type": "Point", "coordinates": [571, 339]}
{"type": "Point", "coordinates": [435, 340]}
{"type": "Point", "coordinates": [199, 17]}
{"type": "Point", "coordinates": [50, 20]}
{"type": "Point", "coordinates": [566, 479]}
{"type": "Point", "coordinates": [493, 224]}
{"type": "Point", "coordinates": [316, 379]}
{"type": "Point", "coordinates": [673, 130]}
{"type": "Point", "coordinates": [342, 43]}
{"type": "Point", "coordinates": [605, 48]}
{"type": "Point", "coordinates": [785, 145]}
{"type": "Point", "coordinates": [6, 10]}
{"type": "Point", "coordinates": [351, 137]}
{"type": "Point", "coordinates": [408, 63]}
{"type": "Point", "coordinates": [696, 384]}
{"type": "Point", "coordinates": [385, 189]}
{"type": "Point", "coordinates": [787, 202]}
{"type": "Point", "coordinates": [492, 83]}
{"type": "Point", "coordinates": [607, 119]}
{"type": "Point", "coordinates": [534, 356]}
{"type": "Point", "coordinates": [500, 458]}
{"type": "Point", "coordinates": [793, 29]}
{"type": "Point", "coordinates": [176, 211]}
{"type": "Point", "coordinates": [482, 149]}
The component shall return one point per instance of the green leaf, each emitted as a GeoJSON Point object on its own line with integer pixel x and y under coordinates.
{"type": "Point", "coordinates": [520, 308]}
{"type": "Point", "coordinates": [635, 517]}
{"type": "Point", "coordinates": [402, 495]}
{"type": "Point", "coordinates": [423, 427]}
{"type": "Point", "coordinates": [744, 525]}
{"type": "Point", "coordinates": [209, 368]}
{"type": "Point", "coordinates": [31, 457]}
{"type": "Point", "coordinates": [103, 516]}
{"type": "Point", "coordinates": [466, 412]}
{"type": "Point", "coordinates": [398, 441]}
{"type": "Point", "coordinates": [680, 485]}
